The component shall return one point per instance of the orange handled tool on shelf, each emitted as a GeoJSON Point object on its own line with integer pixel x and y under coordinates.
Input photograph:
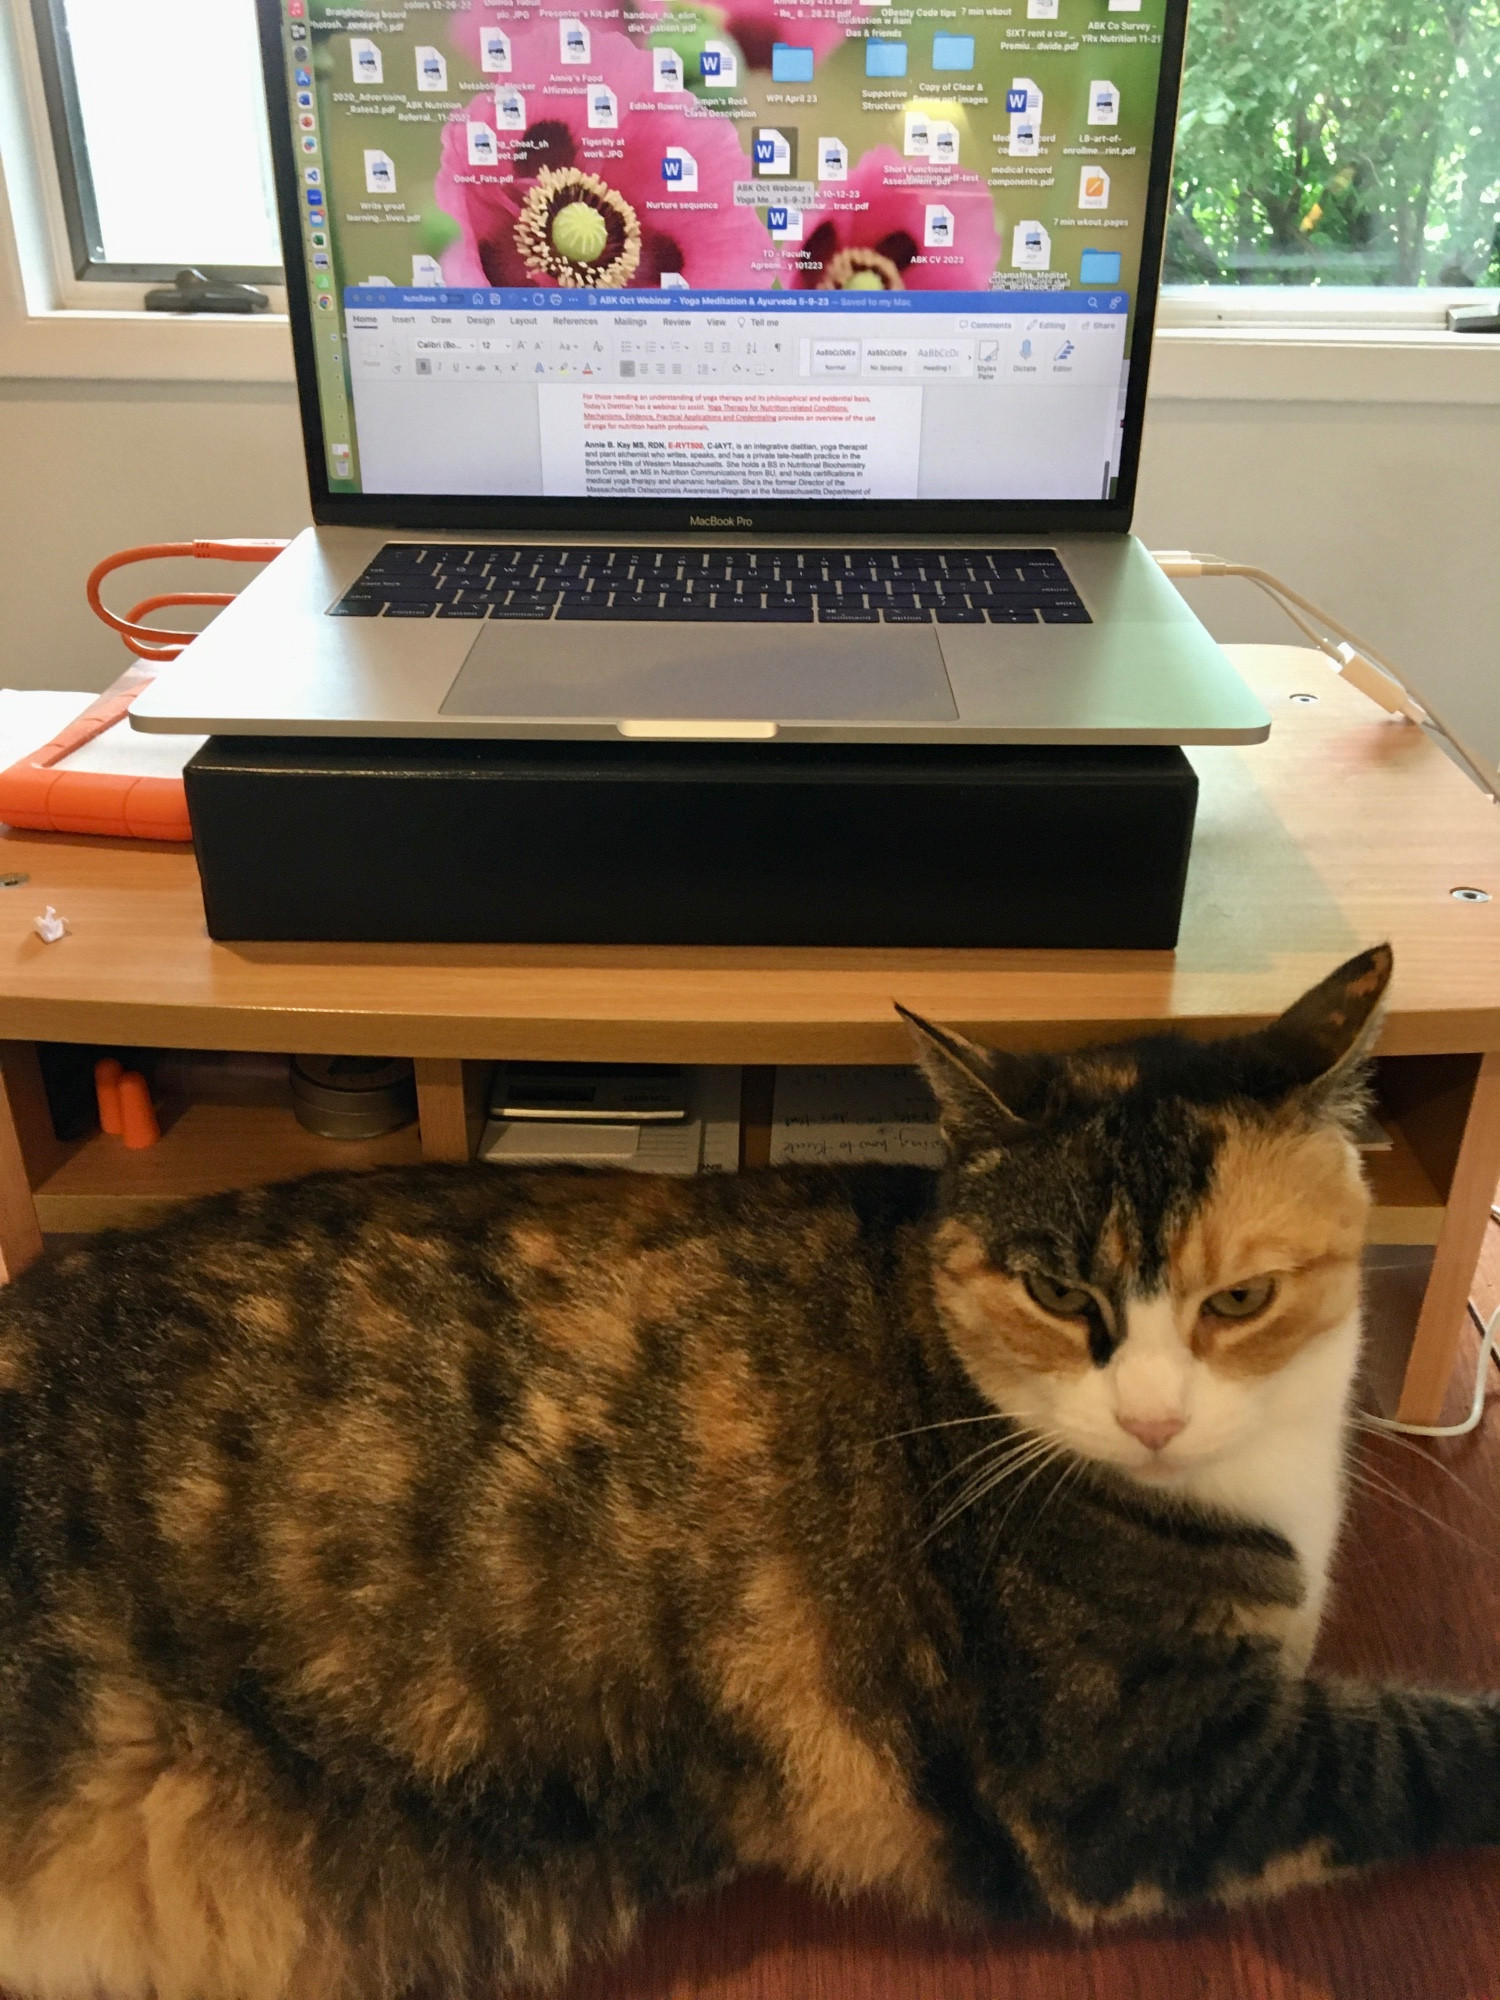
{"type": "Point", "coordinates": [36, 793]}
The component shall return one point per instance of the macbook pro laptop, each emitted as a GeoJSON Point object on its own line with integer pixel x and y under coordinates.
{"type": "Point", "coordinates": [711, 374]}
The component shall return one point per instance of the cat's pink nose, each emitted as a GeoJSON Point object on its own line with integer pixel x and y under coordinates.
{"type": "Point", "coordinates": [1153, 1432]}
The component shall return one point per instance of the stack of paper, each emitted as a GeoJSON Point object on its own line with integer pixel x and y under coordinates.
{"type": "Point", "coordinates": [835, 1116]}
{"type": "Point", "coordinates": [706, 1141]}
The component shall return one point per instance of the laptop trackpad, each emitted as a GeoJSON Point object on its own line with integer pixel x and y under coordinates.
{"type": "Point", "coordinates": [778, 673]}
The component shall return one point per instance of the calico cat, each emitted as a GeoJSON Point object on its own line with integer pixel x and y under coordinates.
{"type": "Point", "coordinates": [410, 1576]}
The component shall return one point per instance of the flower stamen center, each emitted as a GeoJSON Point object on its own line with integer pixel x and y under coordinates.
{"type": "Point", "coordinates": [574, 229]}
{"type": "Point", "coordinates": [579, 231]}
{"type": "Point", "coordinates": [859, 270]}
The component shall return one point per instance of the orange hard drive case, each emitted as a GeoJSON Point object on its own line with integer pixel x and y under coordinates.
{"type": "Point", "coordinates": [35, 793]}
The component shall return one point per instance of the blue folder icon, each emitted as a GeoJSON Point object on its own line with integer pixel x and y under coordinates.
{"type": "Point", "coordinates": [789, 64]}
{"type": "Point", "coordinates": [885, 58]}
{"type": "Point", "coordinates": [1099, 267]}
{"type": "Point", "coordinates": [953, 51]}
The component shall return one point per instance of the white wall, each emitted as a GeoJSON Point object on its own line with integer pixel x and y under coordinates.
{"type": "Point", "coordinates": [89, 467]}
{"type": "Point", "coordinates": [1387, 513]}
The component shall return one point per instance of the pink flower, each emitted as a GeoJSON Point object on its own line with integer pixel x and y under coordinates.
{"type": "Point", "coordinates": [869, 231]}
{"type": "Point", "coordinates": [510, 214]}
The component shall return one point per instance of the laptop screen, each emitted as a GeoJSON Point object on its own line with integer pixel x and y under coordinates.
{"type": "Point", "coordinates": [764, 250]}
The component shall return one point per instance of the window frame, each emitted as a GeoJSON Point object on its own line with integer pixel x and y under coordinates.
{"type": "Point", "coordinates": [1347, 306]}
{"type": "Point", "coordinates": [75, 180]}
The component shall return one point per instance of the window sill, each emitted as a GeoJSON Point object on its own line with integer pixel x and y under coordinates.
{"type": "Point", "coordinates": [1323, 364]}
{"type": "Point", "coordinates": [1233, 363]}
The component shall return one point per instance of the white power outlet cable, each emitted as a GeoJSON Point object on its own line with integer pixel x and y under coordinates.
{"type": "Point", "coordinates": [1358, 662]}
{"type": "Point", "coordinates": [1473, 1420]}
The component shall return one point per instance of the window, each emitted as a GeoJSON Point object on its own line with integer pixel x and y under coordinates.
{"type": "Point", "coordinates": [159, 129]}
{"type": "Point", "coordinates": [1353, 143]}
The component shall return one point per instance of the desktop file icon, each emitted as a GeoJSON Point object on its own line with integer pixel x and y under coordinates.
{"type": "Point", "coordinates": [953, 51]}
{"type": "Point", "coordinates": [1093, 187]}
{"type": "Point", "coordinates": [1031, 247]}
{"type": "Point", "coordinates": [666, 70]}
{"type": "Point", "coordinates": [719, 66]}
{"type": "Point", "coordinates": [484, 148]}
{"type": "Point", "coordinates": [679, 170]}
{"type": "Point", "coordinates": [1023, 102]}
{"type": "Point", "coordinates": [884, 58]}
{"type": "Point", "coordinates": [790, 64]}
{"type": "Point", "coordinates": [772, 151]}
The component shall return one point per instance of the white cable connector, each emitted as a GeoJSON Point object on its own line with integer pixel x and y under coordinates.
{"type": "Point", "coordinates": [1368, 678]}
{"type": "Point", "coordinates": [1358, 663]}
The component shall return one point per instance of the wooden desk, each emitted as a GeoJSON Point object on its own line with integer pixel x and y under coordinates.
{"type": "Point", "coordinates": [1344, 829]}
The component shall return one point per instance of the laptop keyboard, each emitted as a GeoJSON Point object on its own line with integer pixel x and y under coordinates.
{"type": "Point", "coordinates": [786, 586]}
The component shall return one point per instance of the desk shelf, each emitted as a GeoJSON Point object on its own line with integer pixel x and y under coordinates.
{"type": "Point", "coordinates": [1408, 1207]}
{"type": "Point", "coordinates": [205, 1149]}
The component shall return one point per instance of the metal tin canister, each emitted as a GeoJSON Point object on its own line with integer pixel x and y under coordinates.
{"type": "Point", "coordinates": [353, 1097]}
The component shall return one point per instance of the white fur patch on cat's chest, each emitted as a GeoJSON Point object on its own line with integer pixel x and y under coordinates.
{"type": "Point", "coordinates": [1289, 1474]}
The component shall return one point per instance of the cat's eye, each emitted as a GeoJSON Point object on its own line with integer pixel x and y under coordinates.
{"type": "Point", "coordinates": [1055, 1296]}
{"type": "Point", "coordinates": [1241, 1301]}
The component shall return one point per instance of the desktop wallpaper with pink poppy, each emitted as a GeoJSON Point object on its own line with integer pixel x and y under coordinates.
{"type": "Point", "coordinates": [756, 145]}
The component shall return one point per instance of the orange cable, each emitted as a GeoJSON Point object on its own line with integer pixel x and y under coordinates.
{"type": "Point", "coordinates": [168, 644]}
{"type": "Point", "coordinates": [149, 641]}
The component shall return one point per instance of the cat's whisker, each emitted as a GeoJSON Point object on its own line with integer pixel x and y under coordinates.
{"type": "Point", "coordinates": [996, 1447]}
{"type": "Point", "coordinates": [1386, 1489]}
{"type": "Point", "coordinates": [1048, 1448]}
{"type": "Point", "coordinates": [1069, 1472]}
{"type": "Point", "coordinates": [946, 1424]}
{"type": "Point", "coordinates": [982, 1481]}
{"type": "Point", "coordinates": [989, 1477]}
{"type": "Point", "coordinates": [1426, 1457]}
{"type": "Point", "coordinates": [990, 1454]}
{"type": "Point", "coordinates": [1009, 1446]}
{"type": "Point", "coordinates": [1020, 1493]}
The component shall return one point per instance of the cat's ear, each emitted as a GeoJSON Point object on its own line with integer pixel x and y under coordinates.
{"type": "Point", "coordinates": [1325, 1038]}
{"type": "Point", "coordinates": [968, 1081]}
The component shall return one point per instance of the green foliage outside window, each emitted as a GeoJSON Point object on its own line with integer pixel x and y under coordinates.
{"type": "Point", "coordinates": [1339, 142]}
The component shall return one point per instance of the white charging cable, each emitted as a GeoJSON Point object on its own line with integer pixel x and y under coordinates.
{"type": "Point", "coordinates": [1359, 663]}
{"type": "Point", "coordinates": [1476, 1413]}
